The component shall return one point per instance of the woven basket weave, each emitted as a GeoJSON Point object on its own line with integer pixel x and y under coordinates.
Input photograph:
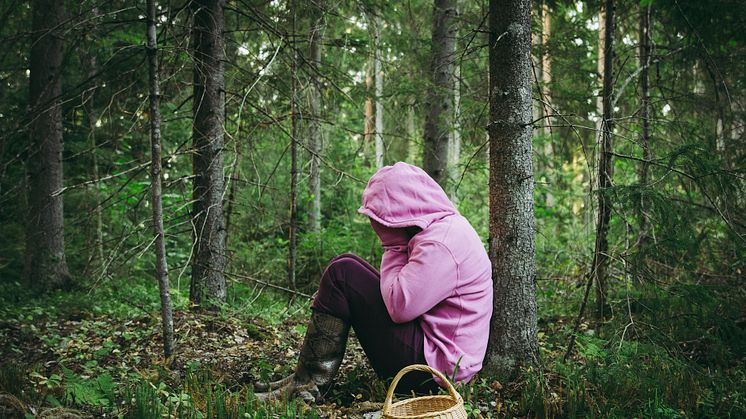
{"type": "Point", "coordinates": [440, 407]}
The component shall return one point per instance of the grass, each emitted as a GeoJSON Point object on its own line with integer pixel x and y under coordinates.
{"type": "Point", "coordinates": [670, 350]}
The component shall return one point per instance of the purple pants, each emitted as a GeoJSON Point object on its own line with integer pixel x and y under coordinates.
{"type": "Point", "coordinates": [350, 290]}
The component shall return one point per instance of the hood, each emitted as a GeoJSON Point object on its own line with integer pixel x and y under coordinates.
{"type": "Point", "coordinates": [403, 195]}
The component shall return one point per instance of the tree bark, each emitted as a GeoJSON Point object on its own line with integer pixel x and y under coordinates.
{"type": "Point", "coordinates": [537, 47]}
{"type": "Point", "coordinates": [292, 228]}
{"type": "Point", "coordinates": [379, 101]}
{"type": "Point", "coordinates": [373, 129]}
{"type": "Point", "coordinates": [369, 128]}
{"type": "Point", "coordinates": [600, 265]}
{"type": "Point", "coordinates": [439, 103]}
{"type": "Point", "coordinates": [645, 56]}
{"type": "Point", "coordinates": [208, 281]}
{"type": "Point", "coordinates": [546, 72]}
{"type": "Point", "coordinates": [546, 79]}
{"type": "Point", "coordinates": [314, 124]}
{"type": "Point", "coordinates": [454, 140]}
{"type": "Point", "coordinates": [513, 341]}
{"type": "Point", "coordinates": [161, 265]}
{"type": "Point", "coordinates": [45, 264]}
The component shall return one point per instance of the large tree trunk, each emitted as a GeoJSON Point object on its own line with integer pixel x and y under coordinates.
{"type": "Point", "coordinates": [208, 281]}
{"type": "Point", "coordinates": [439, 103]}
{"type": "Point", "coordinates": [314, 124]}
{"type": "Point", "coordinates": [46, 266]}
{"type": "Point", "coordinates": [513, 327]}
{"type": "Point", "coordinates": [600, 266]}
{"type": "Point", "coordinates": [645, 56]}
{"type": "Point", "coordinates": [161, 266]}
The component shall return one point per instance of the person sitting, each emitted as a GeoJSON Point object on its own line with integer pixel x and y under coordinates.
{"type": "Point", "coordinates": [430, 303]}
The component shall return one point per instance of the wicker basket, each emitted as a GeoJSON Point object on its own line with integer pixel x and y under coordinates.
{"type": "Point", "coordinates": [440, 407]}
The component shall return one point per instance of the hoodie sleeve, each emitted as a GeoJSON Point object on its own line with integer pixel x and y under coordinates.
{"type": "Point", "coordinates": [413, 284]}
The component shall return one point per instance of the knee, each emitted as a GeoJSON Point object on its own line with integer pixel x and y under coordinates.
{"type": "Point", "coordinates": [344, 256]}
{"type": "Point", "coordinates": [344, 266]}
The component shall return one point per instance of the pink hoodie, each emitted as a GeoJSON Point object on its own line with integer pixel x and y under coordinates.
{"type": "Point", "coordinates": [443, 276]}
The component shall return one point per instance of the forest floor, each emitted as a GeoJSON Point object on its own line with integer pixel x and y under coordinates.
{"type": "Point", "coordinates": [66, 355]}
{"type": "Point", "coordinates": [673, 352]}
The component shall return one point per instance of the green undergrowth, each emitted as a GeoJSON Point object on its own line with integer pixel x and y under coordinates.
{"type": "Point", "coordinates": [199, 395]}
{"type": "Point", "coordinates": [668, 350]}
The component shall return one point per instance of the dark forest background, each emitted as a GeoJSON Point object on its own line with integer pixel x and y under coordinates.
{"type": "Point", "coordinates": [273, 115]}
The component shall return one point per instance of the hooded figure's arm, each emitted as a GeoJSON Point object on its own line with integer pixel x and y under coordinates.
{"type": "Point", "coordinates": [413, 284]}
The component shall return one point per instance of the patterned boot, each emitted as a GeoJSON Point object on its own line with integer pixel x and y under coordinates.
{"type": "Point", "coordinates": [318, 362]}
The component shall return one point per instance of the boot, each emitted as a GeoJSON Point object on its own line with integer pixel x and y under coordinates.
{"type": "Point", "coordinates": [318, 362]}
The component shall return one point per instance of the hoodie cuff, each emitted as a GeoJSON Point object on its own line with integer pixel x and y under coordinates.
{"type": "Point", "coordinates": [399, 248]}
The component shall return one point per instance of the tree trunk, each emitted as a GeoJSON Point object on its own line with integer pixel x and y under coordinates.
{"type": "Point", "coordinates": [378, 76]}
{"type": "Point", "coordinates": [546, 79]}
{"type": "Point", "coordinates": [208, 281]}
{"type": "Point", "coordinates": [161, 266]}
{"type": "Point", "coordinates": [292, 228]}
{"type": "Point", "coordinates": [46, 266]}
{"type": "Point", "coordinates": [513, 341]}
{"type": "Point", "coordinates": [645, 54]}
{"type": "Point", "coordinates": [314, 124]}
{"type": "Point", "coordinates": [369, 127]}
{"type": "Point", "coordinates": [599, 112]}
{"type": "Point", "coordinates": [411, 129]}
{"type": "Point", "coordinates": [454, 140]}
{"type": "Point", "coordinates": [600, 265]}
{"type": "Point", "coordinates": [439, 103]}
{"type": "Point", "coordinates": [600, 70]}
{"type": "Point", "coordinates": [537, 48]}
{"type": "Point", "coordinates": [546, 73]}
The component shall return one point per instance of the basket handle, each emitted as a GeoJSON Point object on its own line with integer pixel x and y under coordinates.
{"type": "Point", "coordinates": [416, 367]}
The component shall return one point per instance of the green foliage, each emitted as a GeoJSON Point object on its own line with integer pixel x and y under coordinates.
{"type": "Point", "coordinates": [674, 346]}
{"type": "Point", "coordinates": [202, 397]}
{"type": "Point", "coordinates": [88, 392]}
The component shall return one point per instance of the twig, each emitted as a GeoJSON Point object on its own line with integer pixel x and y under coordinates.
{"type": "Point", "coordinates": [270, 285]}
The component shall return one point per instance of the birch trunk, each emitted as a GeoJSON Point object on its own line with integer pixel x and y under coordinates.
{"type": "Point", "coordinates": [45, 264]}
{"type": "Point", "coordinates": [439, 102]}
{"type": "Point", "coordinates": [513, 341]}
{"type": "Point", "coordinates": [378, 76]}
{"type": "Point", "coordinates": [599, 112]}
{"type": "Point", "coordinates": [161, 265]}
{"type": "Point", "coordinates": [208, 263]}
{"type": "Point", "coordinates": [600, 265]}
{"type": "Point", "coordinates": [454, 140]}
